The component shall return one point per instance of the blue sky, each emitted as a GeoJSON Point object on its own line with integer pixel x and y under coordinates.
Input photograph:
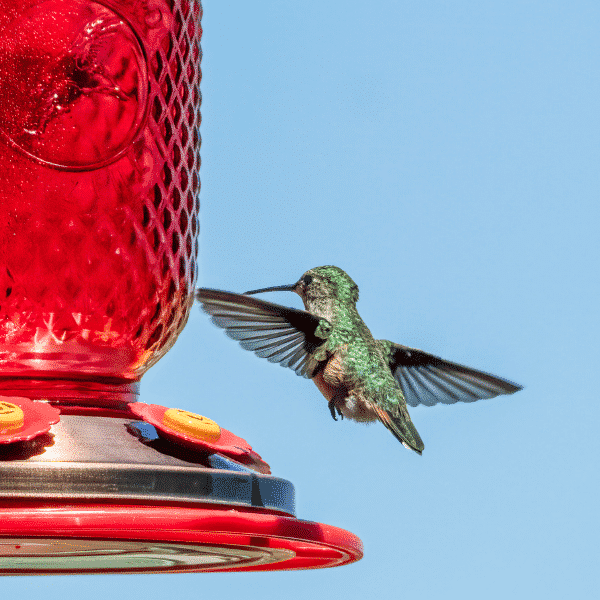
{"type": "Point", "coordinates": [445, 154]}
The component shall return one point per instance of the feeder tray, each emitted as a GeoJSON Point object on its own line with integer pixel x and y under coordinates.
{"type": "Point", "coordinates": [120, 491]}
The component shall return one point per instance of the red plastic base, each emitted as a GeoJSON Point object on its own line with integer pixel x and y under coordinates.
{"type": "Point", "coordinates": [286, 542]}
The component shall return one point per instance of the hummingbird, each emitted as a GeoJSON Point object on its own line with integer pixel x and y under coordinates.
{"type": "Point", "coordinates": [363, 379]}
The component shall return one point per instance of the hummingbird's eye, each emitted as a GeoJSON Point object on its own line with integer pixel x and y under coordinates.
{"type": "Point", "coordinates": [307, 279]}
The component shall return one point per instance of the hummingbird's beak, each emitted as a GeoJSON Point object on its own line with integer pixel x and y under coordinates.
{"type": "Point", "coordinates": [277, 288]}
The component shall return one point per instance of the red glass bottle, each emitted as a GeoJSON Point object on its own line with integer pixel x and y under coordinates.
{"type": "Point", "coordinates": [99, 183]}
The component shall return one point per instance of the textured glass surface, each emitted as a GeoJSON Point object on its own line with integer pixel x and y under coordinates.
{"type": "Point", "coordinates": [99, 183]}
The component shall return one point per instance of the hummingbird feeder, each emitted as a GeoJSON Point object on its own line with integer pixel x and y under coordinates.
{"type": "Point", "coordinates": [99, 154]}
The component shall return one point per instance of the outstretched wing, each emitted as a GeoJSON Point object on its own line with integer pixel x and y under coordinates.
{"type": "Point", "coordinates": [427, 379]}
{"type": "Point", "coordinates": [278, 333]}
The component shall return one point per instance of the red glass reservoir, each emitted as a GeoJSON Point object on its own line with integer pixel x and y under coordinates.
{"type": "Point", "coordinates": [99, 162]}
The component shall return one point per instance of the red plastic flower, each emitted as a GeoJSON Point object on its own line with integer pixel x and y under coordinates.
{"type": "Point", "coordinates": [228, 443]}
{"type": "Point", "coordinates": [38, 417]}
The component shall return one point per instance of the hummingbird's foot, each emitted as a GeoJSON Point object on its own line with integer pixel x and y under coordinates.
{"type": "Point", "coordinates": [333, 408]}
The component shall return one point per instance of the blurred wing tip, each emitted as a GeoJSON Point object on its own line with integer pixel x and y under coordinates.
{"type": "Point", "coordinates": [514, 387]}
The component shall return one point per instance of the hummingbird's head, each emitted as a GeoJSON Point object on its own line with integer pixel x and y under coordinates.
{"type": "Point", "coordinates": [320, 283]}
{"type": "Point", "coordinates": [327, 282]}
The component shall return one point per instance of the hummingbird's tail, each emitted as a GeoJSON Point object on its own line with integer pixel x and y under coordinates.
{"type": "Point", "coordinates": [402, 427]}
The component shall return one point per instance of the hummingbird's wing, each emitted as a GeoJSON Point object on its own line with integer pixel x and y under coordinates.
{"type": "Point", "coordinates": [278, 333]}
{"type": "Point", "coordinates": [427, 379]}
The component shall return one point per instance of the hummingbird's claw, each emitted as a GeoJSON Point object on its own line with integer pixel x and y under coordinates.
{"type": "Point", "coordinates": [333, 408]}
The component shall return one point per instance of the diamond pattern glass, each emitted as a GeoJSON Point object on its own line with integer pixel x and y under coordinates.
{"type": "Point", "coordinates": [99, 187]}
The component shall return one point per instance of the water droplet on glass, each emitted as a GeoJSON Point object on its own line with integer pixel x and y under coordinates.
{"type": "Point", "coordinates": [153, 18]}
